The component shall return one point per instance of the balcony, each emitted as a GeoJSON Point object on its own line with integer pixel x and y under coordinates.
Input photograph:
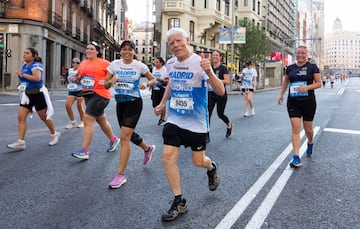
{"type": "Point", "coordinates": [57, 21]}
{"type": "Point", "coordinates": [173, 7]}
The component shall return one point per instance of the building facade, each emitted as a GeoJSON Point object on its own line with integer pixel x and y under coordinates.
{"type": "Point", "coordinates": [342, 49]}
{"type": "Point", "coordinates": [59, 30]}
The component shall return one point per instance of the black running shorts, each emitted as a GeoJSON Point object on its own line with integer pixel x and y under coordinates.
{"type": "Point", "coordinates": [302, 108]}
{"type": "Point", "coordinates": [176, 136]}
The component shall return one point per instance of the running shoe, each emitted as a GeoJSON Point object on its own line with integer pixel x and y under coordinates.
{"type": "Point", "coordinates": [18, 144]}
{"type": "Point", "coordinates": [54, 138]}
{"type": "Point", "coordinates": [296, 162]}
{"type": "Point", "coordinates": [81, 125]}
{"type": "Point", "coordinates": [148, 154]}
{"type": "Point", "coordinates": [228, 131]}
{"type": "Point", "coordinates": [161, 122]}
{"type": "Point", "coordinates": [246, 114]}
{"type": "Point", "coordinates": [177, 207]}
{"type": "Point", "coordinates": [118, 180]}
{"type": "Point", "coordinates": [214, 179]}
{"type": "Point", "coordinates": [70, 125]}
{"type": "Point", "coordinates": [309, 150]}
{"type": "Point", "coordinates": [252, 112]}
{"type": "Point", "coordinates": [113, 145]}
{"type": "Point", "coordinates": [81, 154]}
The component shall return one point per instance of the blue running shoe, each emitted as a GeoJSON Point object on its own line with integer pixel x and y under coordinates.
{"type": "Point", "coordinates": [81, 154]}
{"type": "Point", "coordinates": [296, 162]}
{"type": "Point", "coordinates": [113, 145]}
{"type": "Point", "coordinates": [309, 150]}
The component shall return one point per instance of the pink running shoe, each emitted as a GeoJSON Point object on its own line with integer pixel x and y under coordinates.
{"type": "Point", "coordinates": [118, 180]}
{"type": "Point", "coordinates": [148, 154]}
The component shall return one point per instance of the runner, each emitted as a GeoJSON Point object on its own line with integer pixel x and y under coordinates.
{"type": "Point", "coordinates": [220, 101]}
{"type": "Point", "coordinates": [91, 74]}
{"type": "Point", "coordinates": [248, 87]}
{"type": "Point", "coordinates": [74, 94]}
{"type": "Point", "coordinates": [125, 75]}
{"type": "Point", "coordinates": [187, 122]}
{"type": "Point", "coordinates": [303, 78]}
{"type": "Point", "coordinates": [158, 89]}
{"type": "Point", "coordinates": [33, 94]}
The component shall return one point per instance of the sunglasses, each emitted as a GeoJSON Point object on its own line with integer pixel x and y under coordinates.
{"type": "Point", "coordinates": [74, 62]}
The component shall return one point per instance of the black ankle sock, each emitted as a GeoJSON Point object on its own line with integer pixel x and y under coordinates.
{"type": "Point", "coordinates": [178, 198]}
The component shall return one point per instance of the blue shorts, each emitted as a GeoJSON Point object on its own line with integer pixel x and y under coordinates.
{"type": "Point", "coordinates": [77, 94]}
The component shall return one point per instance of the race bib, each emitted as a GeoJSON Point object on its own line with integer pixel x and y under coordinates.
{"type": "Point", "coordinates": [88, 82]}
{"type": "Point", "coordinates": [72, 86]}
{"type": "Point", "coordinates": [182, 103]}
{"type": "Point", "coordinates": [124, 86]}
{"type": "Point", "coordinates": [294, 89]}
{"type": "Point", "coordinates": [22, 86]}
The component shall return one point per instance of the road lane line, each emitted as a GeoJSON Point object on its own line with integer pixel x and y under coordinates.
{"type": "Point", "coordinates": [344, 131]}
{"type": "Point", "coordinates": [341, 91]}
{"type": "Point", "coordinates": [232, 216]}
{"type": "Point", "coordinates": [262, 212]}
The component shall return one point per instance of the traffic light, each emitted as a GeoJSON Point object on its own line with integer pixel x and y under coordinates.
{"type": "Point", "coordinates": [1, 41]}
{"type": "Point", "coordinates": [8, 52]}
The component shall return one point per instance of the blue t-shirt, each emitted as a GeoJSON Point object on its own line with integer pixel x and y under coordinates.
{"type": "Point", "coordinates": [28, 70]}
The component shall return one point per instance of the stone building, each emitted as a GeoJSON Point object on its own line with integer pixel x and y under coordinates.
{"type": "Point", "coordinates": [59, 30]}
{"type": "Point", "coordinates": [342, 49]}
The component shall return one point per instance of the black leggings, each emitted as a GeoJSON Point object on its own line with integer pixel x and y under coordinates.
{"type": "Point", "coordinates": [220, 102]}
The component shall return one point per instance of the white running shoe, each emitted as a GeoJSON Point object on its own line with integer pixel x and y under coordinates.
{"type": "Point", "coordinates": [18, 144]}
{"type": "Point", "coordinates": [246, 114]}
{"type": "Point", "coordinates": [81, 125]}
{"type": "Point", "coordinates": [70, 125]}
{"type": "Point", "coordinates": [252, 111]}
{"type": "Point", "coordinates": [54, 138]}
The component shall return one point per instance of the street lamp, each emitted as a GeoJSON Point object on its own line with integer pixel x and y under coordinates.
{"type": "Point", "coordinates": [232, 45]}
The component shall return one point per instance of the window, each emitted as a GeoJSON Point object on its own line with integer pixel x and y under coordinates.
{"type": "Point", "coordinates": [218, 4]}
{"type": "Point", "coordinates": [253, 5]}
{"type": "Point", "coordinates": [206, 4]}
{"type": "Point", "coordinates": [174, 23]}
{"type": "Point", "coordinates": [192, 31]}
{"type": "Point", "coordinates": [246, 2]}
{"type": "Point", "coordinates": [258, 8]}
{"type": "Point", "coordinates": [193, 3]}
{"type": "Point", "coordinates": [227, 8]}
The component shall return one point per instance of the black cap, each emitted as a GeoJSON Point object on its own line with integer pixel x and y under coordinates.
{"type": "Point", "coordinates": [127, 42]}
{"type": "Point", "coordinates": [248, 62]}
{"type": "Point", "coordinates": [96, 45]}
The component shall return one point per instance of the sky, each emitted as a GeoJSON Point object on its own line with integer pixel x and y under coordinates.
{"type": "Point", "coordinates": [346, 10]}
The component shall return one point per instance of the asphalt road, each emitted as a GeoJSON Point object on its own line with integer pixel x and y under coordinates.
{"type": "Point", "coordinates": [44, 187]}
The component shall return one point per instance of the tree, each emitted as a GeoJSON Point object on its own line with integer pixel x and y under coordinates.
{"type": "Point", "coordinates": [258, 46]}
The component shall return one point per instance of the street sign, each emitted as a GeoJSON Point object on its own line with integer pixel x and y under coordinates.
{"type": "Point", "coordinates": [239, 35]}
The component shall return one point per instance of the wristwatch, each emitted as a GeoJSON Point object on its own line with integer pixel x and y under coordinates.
{"type": "Point", "coordinates": [22, 74]}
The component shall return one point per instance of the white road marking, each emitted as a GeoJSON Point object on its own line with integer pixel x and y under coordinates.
{"type": "Point", "coordinates": [263, 210]}
{"type": "Point", "coordinates": [10, 104]}
{"type": "Point", "coordinates": [341, 91]}
{"type": "Point", "coordinates": [233, 215]}
{"type": "Point", "coordinates": [342, 131]}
